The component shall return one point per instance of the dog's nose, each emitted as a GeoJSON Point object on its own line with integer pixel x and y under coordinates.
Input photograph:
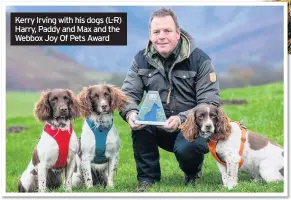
{"type": "Point", "coordinates": [104, 107]}
{"type": "Point", "coordinates": [208, 126]}
{"type": "Point", "coordinates": [64, 109]}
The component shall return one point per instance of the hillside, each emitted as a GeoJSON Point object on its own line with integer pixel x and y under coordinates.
{"type": "Point", "coordinates": [34, 68]}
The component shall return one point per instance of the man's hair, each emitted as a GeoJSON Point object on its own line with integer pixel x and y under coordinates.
{"type": "Point", "coordinates": [163, 12]}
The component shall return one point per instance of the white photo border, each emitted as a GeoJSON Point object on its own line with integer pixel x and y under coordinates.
{"type": "Point", "coordinates": [143, 3]}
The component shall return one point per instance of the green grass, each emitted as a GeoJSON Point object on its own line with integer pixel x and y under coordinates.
{"type": "Point", "coordinates": [20, 104]}
{"type": "Point", "coordinates": [262, 114]}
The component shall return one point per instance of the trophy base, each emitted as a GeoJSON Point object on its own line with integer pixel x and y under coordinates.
{"type": "Point", "coordinates": [150, 123]}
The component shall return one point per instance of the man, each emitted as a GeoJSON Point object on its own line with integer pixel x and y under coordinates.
{"type": "Point", "coordinates": [184, 77]}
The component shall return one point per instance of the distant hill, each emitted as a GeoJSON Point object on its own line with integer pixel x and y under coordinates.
{"type": "Point", "coordinates": [34, 68]}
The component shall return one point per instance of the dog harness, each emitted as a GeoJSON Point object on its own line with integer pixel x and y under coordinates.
{"type": "Point", "coordinates": [100, 134]}
{"type": "Point", "coordinates": [63, 140]}
{"type": "Point", "coordinates": [213, 142]}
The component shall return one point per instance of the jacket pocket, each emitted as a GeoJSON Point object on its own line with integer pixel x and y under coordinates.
{"type": "Point", "coordinates": [150, 77]}
{"type": "Point", "coordinates": [184, 80]}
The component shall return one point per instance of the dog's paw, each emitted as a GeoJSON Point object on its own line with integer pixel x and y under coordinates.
{"type": "Point", "coordinates": [257, 180]}
{"type": "Point", "coordinates": [231, 184]}
{"type": "Point", "coordinates": [68, 186]}
{"type": "Point", "coordinates": [67, 189]}
{"type": "Point", "coordinates": [89, 183]}
{"type": "Point", "coordinates": [42, 190]}
{"type": "Point", "coordinates": [89, 186]}
{"type": "Point", "coordinates": [110, 185]}
{"type": "Point", "coordinates": [224, 179]}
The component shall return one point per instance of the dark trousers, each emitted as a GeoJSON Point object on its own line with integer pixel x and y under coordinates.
{"type": "Point", "coordinates": [146, 141]}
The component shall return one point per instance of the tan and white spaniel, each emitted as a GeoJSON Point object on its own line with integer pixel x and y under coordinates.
{"type": "Point", "coordinates": [99, 143]}
{"type": "Point", "coordinates": [58, 144]}
{"type": "Point", "coordinates": [234, 147]}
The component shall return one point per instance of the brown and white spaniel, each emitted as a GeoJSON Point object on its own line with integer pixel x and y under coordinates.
{"type": "Point", "coordinates": [99, 143]}
{"type": "Point", "coordinates": [58, 144]}
{"type": "Point", "coordinates": [234, 147]}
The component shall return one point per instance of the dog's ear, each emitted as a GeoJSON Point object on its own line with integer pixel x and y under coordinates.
{"type": "Point", "coordinates": [189, 128]}
{"type": "Point", "coordinates": [223, 127]}
{"type": "Point", "coordinates": [42, 108]}
{"type": "Point", "coordinates": [73, 105]}
{"type": "Point", "coordinates": [118, 99]}
{"type": "Point", "coordinates": [84, 102]}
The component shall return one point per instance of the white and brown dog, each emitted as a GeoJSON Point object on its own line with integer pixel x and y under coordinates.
{"type": "Point", "coordinates": [99, 143]}
{"type": "Point", "coordinates": [58, 144]}
{"type": "Point", "coordinates": [234, 147]}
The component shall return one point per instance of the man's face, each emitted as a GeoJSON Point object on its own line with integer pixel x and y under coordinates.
{"type": "Point", "coordinates": [163, 35]}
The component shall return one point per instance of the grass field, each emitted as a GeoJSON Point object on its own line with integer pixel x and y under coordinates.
{"type": "Point", "coordinates": [264, 114]}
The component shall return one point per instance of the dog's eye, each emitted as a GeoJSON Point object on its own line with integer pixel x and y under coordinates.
{"type": "Point", "coordinates": [213, 116]}
{"type": "Point", "coordinates": [55, 99]}
{"type": "Point", "coordinates": [66, 98]}
{"type": "Point", "coordinates": [200, 117]}
{"type": "Point", "coordinates": [96, 95]}
{"type": "Point", "coordinates": [106, 95]}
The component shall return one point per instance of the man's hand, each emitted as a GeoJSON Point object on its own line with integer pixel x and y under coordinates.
{"type": "Point", "coordinates": [173, 123]}
{"type": "Point", "coordinates": [131, 118]}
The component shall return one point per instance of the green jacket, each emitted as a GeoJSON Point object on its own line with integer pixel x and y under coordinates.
{"type": "Point", "coordinates": [191, 79]}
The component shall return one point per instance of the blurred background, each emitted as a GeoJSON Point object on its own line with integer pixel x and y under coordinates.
{"type": "Point", "coordinates": [245, 44]}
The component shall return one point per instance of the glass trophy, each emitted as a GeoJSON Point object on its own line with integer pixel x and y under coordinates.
{"type": "Point", "coordinates": [152, 111]}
